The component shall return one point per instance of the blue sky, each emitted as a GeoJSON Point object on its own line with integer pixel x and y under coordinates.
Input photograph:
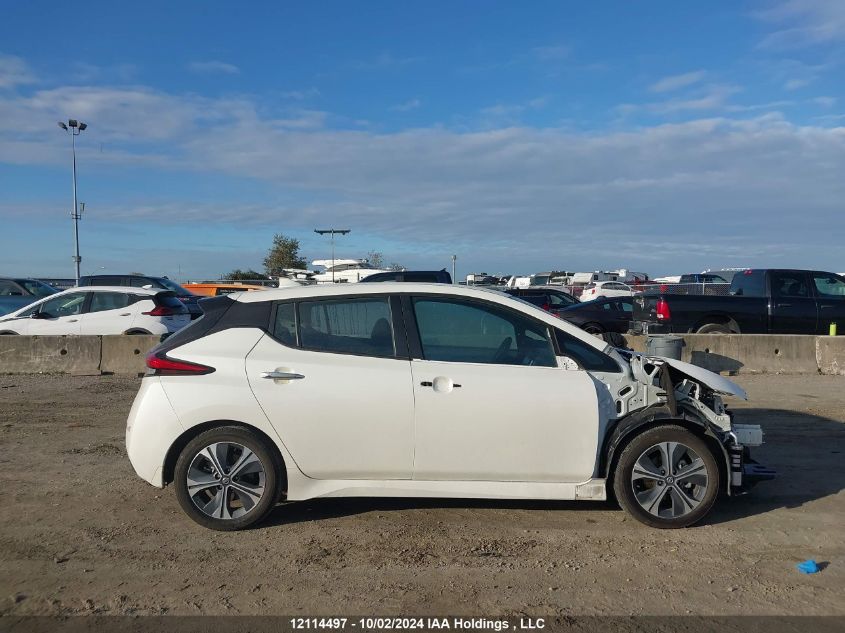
{"type": "Point", "coordinates": [666, 137]}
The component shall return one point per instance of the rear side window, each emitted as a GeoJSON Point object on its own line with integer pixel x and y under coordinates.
{"type": "Point", "coordinates": [140, 282]}
{"type": "Point", "coordinates": [105, 280]}
{"type": "Point", "coordinates": [587, 356]}
{"type": "Point", "coordinates": [749, 283]}
{"type": "Point", "coordinates": [789, 284]}
{"type": "Point", "coordinates": [102, 301]}
{"type": "Point", "coordinates": [347, 326]}
{"type": "Point", "coordinates": [421, 277]}
{"type": "Point", "coordinates": [284, 328]}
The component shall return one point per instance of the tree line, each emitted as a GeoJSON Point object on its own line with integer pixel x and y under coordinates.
{"type": "Point", "coordinates": [285, 253]}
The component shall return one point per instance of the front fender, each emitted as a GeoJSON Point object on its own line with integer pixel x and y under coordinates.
{"type": "Point", "coordinates": [638, 421]}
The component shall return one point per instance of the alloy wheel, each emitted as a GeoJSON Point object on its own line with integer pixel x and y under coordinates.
{"type": "Point", "coordinates": [669, 480]}
{"type": "Point", "coordinates": [225, 480]}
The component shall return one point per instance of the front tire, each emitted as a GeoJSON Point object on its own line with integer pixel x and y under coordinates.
{"type": "Point", "coordinates": [227, 478]}
{"type": "Point", "coordinates": [667, 477]}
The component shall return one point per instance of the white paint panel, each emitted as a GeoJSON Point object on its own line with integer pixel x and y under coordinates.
{"type": "Point", "coordinates": [350, 417]}
{"type": "Point", "coordinates": [504, 423]}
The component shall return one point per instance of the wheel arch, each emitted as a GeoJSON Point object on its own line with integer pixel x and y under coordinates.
{"type": "Point", "coordinates": [595, 325]}
{"type": "Point", "coordinates": [636, 424]}
{"type": "Point", "coordinates": [716, 318]}
{"type": "Point", "coordinates": [135, 330]}
{"type": "Point", "coordinates": [182, 441]}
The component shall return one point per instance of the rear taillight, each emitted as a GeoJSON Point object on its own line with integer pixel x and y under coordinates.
{"type": "Point", "coordinates": [663, 312]}
{"type": "Point", "coordinates": [162, 365]}
{"type": "Point", "coordinates": [161, 311]}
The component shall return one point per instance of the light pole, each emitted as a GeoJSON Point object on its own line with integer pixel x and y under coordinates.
{"type": "Point", "coordinates": [332, 233]}
{"type": "Point", "coordinates": [454, 278]}
{"type": "Point", "coordinates": [75, 128]}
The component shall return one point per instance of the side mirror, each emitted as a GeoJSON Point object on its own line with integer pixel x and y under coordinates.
{"type": "Point", "coordinates": [39, 315]}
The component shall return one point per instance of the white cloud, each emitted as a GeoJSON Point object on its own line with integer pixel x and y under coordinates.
{"type": "Point", "coordinates": [675, 82]}
{"type": "Point", "coordinates": [795, 84]}
{"type": "Point", "coordinates": [510, 187]}
{"type": "Point", "coordinates": [14, 72]}
{"type": "Point", "coordinates": [713, 97]}
{"type": "Point", "coordinates": [824, 102]}
{"type": "Point", "coordinates": [213, 67]}
{"type": "Point", "coordinates": [805, 22]}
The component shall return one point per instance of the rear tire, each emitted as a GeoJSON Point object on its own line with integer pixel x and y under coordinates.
{"type": "Point", "coordinates": [227, 478]}
{"type": "Point", "coordinates": [714, 328]}
{"type": "Point", "coordinates": [667, 477]}
{"type": "Point", "coordinates": [593, 328]}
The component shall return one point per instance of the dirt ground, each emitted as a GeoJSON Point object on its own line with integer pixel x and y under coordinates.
{"type": "Point", "coordinates": [80, 533]}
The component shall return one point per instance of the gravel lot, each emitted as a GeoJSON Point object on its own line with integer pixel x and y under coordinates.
{"type": "Point", "coordinates": [80, 533]}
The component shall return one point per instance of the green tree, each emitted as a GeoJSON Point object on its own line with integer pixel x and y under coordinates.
{"type": "Point", "coordinates": [245, 275]}
{"type": "Point", "coordinates": [376, 259]}
{"type": "Point", "coordinates": [284, 253]}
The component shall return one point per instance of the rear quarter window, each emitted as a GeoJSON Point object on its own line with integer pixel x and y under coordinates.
{"type": "Point", "coordinates": [749, 283]}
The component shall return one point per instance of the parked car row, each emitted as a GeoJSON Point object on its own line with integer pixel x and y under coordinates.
{"type": "Point", "coordinates": [761, 301]}
{"type": "Point", "coordinates": [17, 292]}
{"type": "Point", "coordinates": [100, 310]}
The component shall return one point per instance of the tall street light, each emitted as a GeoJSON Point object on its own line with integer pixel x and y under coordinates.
{"type": "Point", "coordinates": [332, 232]}
{"type": "Point", "coordinates": [75, 128]}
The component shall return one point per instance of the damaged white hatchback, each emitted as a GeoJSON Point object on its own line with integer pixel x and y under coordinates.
{"type": "Point", "coordinates": [425, 390]}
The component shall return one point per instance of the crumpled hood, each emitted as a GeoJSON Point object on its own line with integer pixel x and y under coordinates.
{"type": "Point", "coordinates": [717, 383]}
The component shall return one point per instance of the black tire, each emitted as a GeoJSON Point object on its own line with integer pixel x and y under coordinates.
{"type": "Point", "coordinates": [615, 339]}
{"type": "Point", "coordinates": [593, 328]}
{"type": "Point", "coordinates": [136, 333]}
{"type": "Point", "coordinates": [714, 328]}
{"type": "Point", "coordinates": [694, 499]}
{"type": "Point", "coordinates": [231, 498]}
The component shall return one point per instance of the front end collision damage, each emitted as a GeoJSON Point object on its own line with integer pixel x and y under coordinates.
{"type": "Point", "coordinates": [653, 391]}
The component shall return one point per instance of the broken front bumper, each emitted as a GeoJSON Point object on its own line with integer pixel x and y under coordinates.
{"type": "Point", "coordinates": [745, 471]}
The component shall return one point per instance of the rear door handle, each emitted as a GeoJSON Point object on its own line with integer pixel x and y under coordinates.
{"type": "Point", "coordinates": [428, 383]}
{"type": "Point", "coordinates": [281, 375]}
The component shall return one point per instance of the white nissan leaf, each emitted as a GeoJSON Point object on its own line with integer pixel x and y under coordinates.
{"type": "Point", "coordinates": [425, 390]}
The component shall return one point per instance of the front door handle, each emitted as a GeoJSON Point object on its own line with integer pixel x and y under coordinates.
{"type": "Point", "coordinates": [281, 375]}
{"type": "Point", "coordinates": [429, 383]}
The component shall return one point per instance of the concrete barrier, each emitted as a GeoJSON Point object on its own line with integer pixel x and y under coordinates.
{"type": "Point", "coordinates": [78, 355]}
{"type": "Point", "coordinates": [125, 354]}
{"type": "Point", "coordinates": [723, 353]}
{"type": "Point", "coordinates": [753, 353]}
{"type": "Point", "coordinates": [830, 354]}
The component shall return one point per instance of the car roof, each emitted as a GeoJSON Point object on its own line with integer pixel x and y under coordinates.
{"type": "Point", "coordinates": [321, 291]}
{"type": "Point", "coordinates": [124, 289]}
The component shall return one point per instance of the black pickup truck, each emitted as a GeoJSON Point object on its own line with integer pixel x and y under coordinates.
{"type": "Point", "coordinates": [761, 301]}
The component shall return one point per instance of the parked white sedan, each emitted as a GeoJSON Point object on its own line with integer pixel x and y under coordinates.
{"type": "Point", "coordinates": [100, 310]}
{"type": "Point", "coordinates": [423, 390]}
{"type": "Point", "coordinates": [605, 289]}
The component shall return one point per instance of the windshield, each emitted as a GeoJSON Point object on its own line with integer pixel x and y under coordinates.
{"type": "Point", "coordinates": [37, 288]}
